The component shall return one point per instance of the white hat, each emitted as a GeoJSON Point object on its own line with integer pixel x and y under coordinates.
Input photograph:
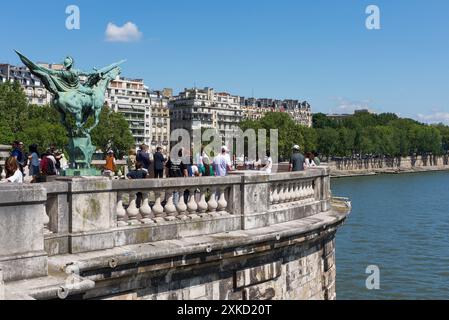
{"type": "Point", "coordinates": [225, 149]}
{"type": "Point", "coordinates": [296, 147]}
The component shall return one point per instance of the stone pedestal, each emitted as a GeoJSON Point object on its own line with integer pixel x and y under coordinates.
{"type": "Point", "coordinates": [22, 210]}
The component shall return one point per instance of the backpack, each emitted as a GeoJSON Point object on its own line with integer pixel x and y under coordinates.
{"type": "Point", "coordinates": [47, 167]}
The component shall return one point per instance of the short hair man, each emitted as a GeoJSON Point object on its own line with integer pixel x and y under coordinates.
{"type": "Point", "coordinates": [297, 160]}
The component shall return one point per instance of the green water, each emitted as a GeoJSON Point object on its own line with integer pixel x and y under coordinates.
{"type": "Point", "coordinates": [401, 224]}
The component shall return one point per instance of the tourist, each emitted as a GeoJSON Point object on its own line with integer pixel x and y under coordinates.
{"type": "Point", "coordinates": [269, 164]}
{"type": "Point", "coordinates": [176, 169]}
{"type": "Point", "coordinates": [111, 164]}
{"type": "Point", "coordinates": [34, 163]}
{"type": "Point", "coordinates": [144, 157]}
{"type": "Point", "coordinates": [222, 163]}
{"type": "Point", "coordinates": [132, 160]}
{"type": "Point", "coordinates": [13, 172]}
{"type": "Point", "coordinates": [64, 164]}
{"type": "Point", "coordinates": [57, 155]}
{"type": "Point", "coordinates": [309, 161]}
{"type": "Point", "coordinates": [159, 163]}
{"type": "Point", "coordinates": [316, 159]}
{"type": "Point", "coordinates": [297, 160]}
{"type": "Point", "coordinates": [206, 165]}
{"type": "Point", "coordinates": [17, 152]}
{"type": "Point", "coordinates": [48, 164]}
{"type": "Point", "coordinates": [137, 173]}
{"type": "Point", "coordinates": [200, 163]}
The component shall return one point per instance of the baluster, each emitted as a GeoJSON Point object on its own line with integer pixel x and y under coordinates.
{"type": "Point", "coordinates": [170, 209]}
{"type": "Point", "coordinates": [281, 193]}
{"type": "Point", "coordinates": [213, 204]}
{"type": "Point", "coordinates": [182, 208]}
{"type": "Point", "coordinates": [312, 191]}
{"type": "Point", "coordinates": [222, 203]}
{"type": "Point", "coordinates": [202, 204]}
{"type": "Point", "coordinates": [289, 192]}
{"type": "Point", "coordinates": [271, 195]}
{"type": "Point", "coordinates": [145, 209]}
{"type": "Point", "coordinates": [158, 209]}
{"type": "Point", "coordinates": [192, 206]}
{"type": "Point", "coordinates": [302, 191]}
{"type": "Point", "coordinates": [295, 191]}
{"type": "Point", "coordinates": [309, 191]}
{"type": "Point", "coordinates": [132, 210]}
{"type": "Point", "coordinates": [121, 212]}
{"type": "Point", "coordinates": [274, 187]}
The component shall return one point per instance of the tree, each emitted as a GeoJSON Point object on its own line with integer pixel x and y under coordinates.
{"type": "Point", "coordinates": [112, 131]}
{"type": "Point", "coordinates": [327, 141]}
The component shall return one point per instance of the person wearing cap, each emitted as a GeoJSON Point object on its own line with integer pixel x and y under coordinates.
{"type": "Point", "coordinates": [222, 163]}
{"type": "Point", "coordinates": [297, 160]}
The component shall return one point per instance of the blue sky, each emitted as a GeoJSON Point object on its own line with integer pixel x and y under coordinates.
{"type": "Point", "coordinates": [318, 51]}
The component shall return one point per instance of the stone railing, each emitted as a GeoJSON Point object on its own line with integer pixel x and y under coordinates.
{"type": "Point", "coordinates": [78, 215]}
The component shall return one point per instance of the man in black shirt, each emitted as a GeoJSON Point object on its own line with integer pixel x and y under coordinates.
{"type": "Point", "coordinates": [176, 168]}
{"type": "Point", "coordinates": [159, 162]}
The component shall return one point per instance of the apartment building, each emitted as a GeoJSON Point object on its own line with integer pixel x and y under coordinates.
{"type": "Point", "coordinates": [131, 98]}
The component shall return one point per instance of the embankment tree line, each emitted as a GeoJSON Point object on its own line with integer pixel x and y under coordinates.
{"type": "Point", "coordinates": [360, 135]}
{"type": "Point", "coordinates": [41, 125]}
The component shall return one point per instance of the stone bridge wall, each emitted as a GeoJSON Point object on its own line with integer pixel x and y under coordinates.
{"type": "Point", "coordinates": [247, 236]}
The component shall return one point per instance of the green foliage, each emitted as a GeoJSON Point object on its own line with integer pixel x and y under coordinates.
{"type": "Point", "coordinates": [361, 134]}
{"type": "Point", "coordinates": [41, 124]}
{"type": "Point", "coordinates": [113, 130]}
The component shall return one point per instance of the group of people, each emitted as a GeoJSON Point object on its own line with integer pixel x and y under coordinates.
{"type": "Point", "coordinates": [48, 163]}
{"type": "Point", "coordinates": [299, 162]}
{"type": "Point", "coordinates": [141, 163]}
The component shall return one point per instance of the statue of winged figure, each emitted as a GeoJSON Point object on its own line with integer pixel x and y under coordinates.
{"type": "Point", "coordinates": [81, 99]}
{"type": "Point", "coordinates": [70, 95]}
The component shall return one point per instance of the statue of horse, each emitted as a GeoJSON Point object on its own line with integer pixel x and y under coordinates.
{"type": "Point", "coordinates": [82, 105]}
{"type": "Point", "coordinates": [70, 96]}
{"type": "Point", "coordinates": [81, 99]}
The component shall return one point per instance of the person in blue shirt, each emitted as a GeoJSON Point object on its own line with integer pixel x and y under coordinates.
{"type": "Point", "coordinates": [34, 163]}
{"type": "Point", "coordinates": [17, 153]}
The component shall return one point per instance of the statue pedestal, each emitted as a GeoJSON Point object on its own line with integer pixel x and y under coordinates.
{"type": "Point", "coordinates": [85, 172]}
{"type": "Point", "coordinates": [81, 151]}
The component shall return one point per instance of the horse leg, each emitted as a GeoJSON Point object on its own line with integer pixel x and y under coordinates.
{"type": "Point", "coordinates": [96, 118]}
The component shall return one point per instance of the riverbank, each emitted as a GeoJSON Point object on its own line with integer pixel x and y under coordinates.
{"type": "Point", "coordinates": [335, 173]}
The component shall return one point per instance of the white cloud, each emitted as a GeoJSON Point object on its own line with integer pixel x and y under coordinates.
{"type": "Point", "coordinates": [345, 105]}
{"type": "Point", "coordinates": [129, 32]}
{"type": "Point", "coordinates": [435, 117]}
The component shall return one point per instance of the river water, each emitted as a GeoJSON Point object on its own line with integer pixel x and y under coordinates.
{"type": "Point", "coordinates": [399, 223]}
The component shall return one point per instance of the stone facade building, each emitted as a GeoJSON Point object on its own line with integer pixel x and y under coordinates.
{"type": "Point", "coordinates": [204, 108]}
{"type": "Point", "coordinates": [160, 123]}
{"type": "Point", "coordinates": [131, 98]}
{"type": "Point", "coordinates": [32, 86]}
{"type": "Point", "coordinates": [255, 109]}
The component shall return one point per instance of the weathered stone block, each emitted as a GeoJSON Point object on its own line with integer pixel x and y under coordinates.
{"type": "Point", "coordinates": [251, 276]}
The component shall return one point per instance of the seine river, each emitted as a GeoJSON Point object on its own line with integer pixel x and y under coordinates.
{"type": "Point", "coordinates": [399, 223]}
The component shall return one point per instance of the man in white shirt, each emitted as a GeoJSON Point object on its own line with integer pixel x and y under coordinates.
{"type": "Point", "coordinates": [222, 163]}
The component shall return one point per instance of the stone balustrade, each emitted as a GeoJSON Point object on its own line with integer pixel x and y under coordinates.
{"type": "Point", "coordinates": [153, 206]}
{"type": "Point", "coordinates": [80, 215]}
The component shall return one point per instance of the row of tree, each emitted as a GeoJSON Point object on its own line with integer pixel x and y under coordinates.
{"type": "Point", "coordinates": [359, 135]}
{"type": "Point", "coordinates": [41, 125]}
